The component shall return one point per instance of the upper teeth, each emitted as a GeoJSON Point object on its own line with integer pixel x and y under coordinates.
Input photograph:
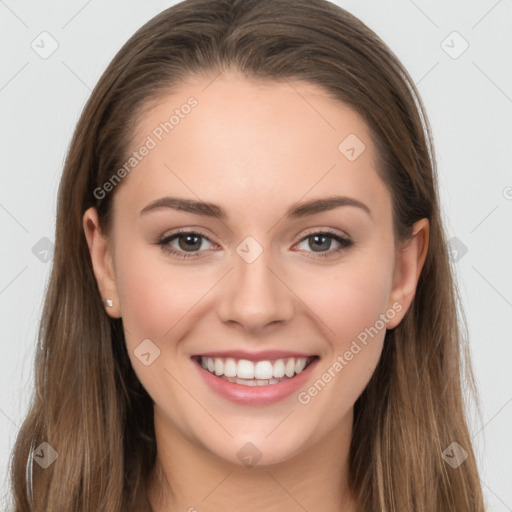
{"type": "Point", "coordinates": [245, 369]}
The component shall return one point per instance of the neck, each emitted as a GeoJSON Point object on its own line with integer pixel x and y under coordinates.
{"type": "Point", "coordinates": [187, 477]}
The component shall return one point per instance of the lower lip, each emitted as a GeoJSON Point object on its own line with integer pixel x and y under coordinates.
{"type": "Point", "coordinates": [256, 395]}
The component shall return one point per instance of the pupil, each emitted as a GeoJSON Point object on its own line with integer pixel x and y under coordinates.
{"type": "Point", "coordinates": [188, 244]}
{"type": "Point", "coordinates": [316, 245]}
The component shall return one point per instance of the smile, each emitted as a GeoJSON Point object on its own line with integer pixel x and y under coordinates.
{"type": "Point", "coordinates": [255, 382]}
{"type": "Point", "coordinates": [259, 373]}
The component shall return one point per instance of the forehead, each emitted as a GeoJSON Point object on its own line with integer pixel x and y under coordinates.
{"type": "Point", "coordinates": [245, 142]}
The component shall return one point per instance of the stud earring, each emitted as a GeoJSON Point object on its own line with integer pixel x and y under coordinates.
{"type": "Point", "coordinates": [108, 302]}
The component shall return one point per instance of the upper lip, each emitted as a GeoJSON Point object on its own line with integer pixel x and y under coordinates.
{"type": "Point", "coordinates": [264, 355]}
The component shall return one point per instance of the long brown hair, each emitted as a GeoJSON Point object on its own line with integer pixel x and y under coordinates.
{"type": "Point", "coordinates": [88, 404]}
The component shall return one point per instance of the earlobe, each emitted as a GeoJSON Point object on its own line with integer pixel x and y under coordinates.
{"type": "Point", "coordinates": [410, 259]}
{"type": "Point", "coordinates": [102, 262]}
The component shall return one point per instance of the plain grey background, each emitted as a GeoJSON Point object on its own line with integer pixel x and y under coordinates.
{"type": "Point", "coordinates": [458, 53]}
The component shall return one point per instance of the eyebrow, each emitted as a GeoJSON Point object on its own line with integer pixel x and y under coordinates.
{"type": "Point", "coordinates": [295, 211]}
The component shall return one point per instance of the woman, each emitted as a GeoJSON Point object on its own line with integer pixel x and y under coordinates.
{"type": "Point", "coordinates": [251, 305]}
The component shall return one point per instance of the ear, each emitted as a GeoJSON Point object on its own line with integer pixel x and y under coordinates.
{"type": "Point", "coordinates": [102, 261]}
{"type": "Point", "coordinates": [408, 264]}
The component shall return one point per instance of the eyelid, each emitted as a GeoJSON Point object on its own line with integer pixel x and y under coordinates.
{"type": "Point", "coordinates": [185, 231]}
{"type": "Point", "coordinates": [327, 231]}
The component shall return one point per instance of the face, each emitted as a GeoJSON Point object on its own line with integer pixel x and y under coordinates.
{"type": "Point", "coordinates": [250, 281]}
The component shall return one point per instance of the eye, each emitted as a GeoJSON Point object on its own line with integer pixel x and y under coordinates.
{"type": "Point", "coordinates": [189, 244]}
{"type": "Point", "coordinates": [321, 243]}
{"type": "Point", "coordinates": [184, 244]}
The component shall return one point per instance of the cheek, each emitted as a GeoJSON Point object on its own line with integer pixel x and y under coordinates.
{"type": "Point", "coordinates": [350, 299]}
{"type": "Point", "coordinates": [154, 296]}
{"type": "Point", "coordinates": [157, 302]}
{"type": "Point", "coordinates": [351, 303]}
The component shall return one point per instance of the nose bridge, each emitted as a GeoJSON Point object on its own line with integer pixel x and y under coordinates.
{"type": "Point", "coordinates": [254, 296]}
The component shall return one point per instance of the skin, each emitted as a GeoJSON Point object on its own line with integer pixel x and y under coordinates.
{"type": "Point", "coordinates": [254, 149]}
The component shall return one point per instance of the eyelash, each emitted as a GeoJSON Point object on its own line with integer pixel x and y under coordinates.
{"type": "Point", "coordinates": [345, 243]}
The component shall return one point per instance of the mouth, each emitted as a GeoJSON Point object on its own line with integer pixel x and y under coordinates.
{"type": "Point", "coordinates": [245, 372]}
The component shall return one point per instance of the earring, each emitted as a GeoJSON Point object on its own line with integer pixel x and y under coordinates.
{"type": "Point", "coordinates": [108, 302]}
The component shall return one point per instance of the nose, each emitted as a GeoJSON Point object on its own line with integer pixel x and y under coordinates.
{"type": "Point", "coordinates": [255, 294]}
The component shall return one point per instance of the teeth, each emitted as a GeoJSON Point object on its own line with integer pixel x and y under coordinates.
{"type": "Point", "coordinates": [299, 365]}
{"type": "Point", "coordinates": [219, 367]}
{"type": "Point", "coordinates": [260, 373]}
{"type": "Point", "coordinates": [245, 369]}
{"type": "Point", "coordinates": [278, 369]}
{"type": "Point", "coordinates": [263, 370]}
{"type": "Point", "coordinates": [253, 382]}
{"type": "Point", "coordinates": [229, 367]}
{"type": "Point", "coordinates": [289, 369]}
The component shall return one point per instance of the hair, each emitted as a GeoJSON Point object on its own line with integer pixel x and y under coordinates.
{"type": "Point", "coordinates": [88, 403]}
